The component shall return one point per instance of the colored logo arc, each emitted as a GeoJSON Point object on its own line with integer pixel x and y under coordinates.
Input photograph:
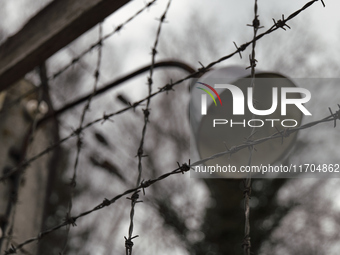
{"type": "Point", "coordinates": [213, 90]}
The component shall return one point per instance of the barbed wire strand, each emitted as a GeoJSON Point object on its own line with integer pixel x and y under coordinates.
{"type": "Point", "coordinates": [246, 244]}
{"type": "Point", "coordinates": [140, 151]}
{"type": "Point", "coordinates": [279, 134]}
{"type": "Point", "coordinates": [166, 88]}
{"type": "Point", "coordinates": [333, 117]}
{"type": "Point", "coordinates": [99, 42]}
{"type": "Point", "coordinates": [86, 108]}
{"type": "Point", "coordinates": [128, 241]}
{"type": "Point", "coordinates": [146, 111]}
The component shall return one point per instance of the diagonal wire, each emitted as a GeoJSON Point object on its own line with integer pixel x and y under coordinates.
{"type": "Point", "coordinates": [279, 134]}
{"type": "Point", "coordinates": [99, 42]}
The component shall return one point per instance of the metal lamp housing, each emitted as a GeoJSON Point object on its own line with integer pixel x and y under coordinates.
{"type": "Point", "coordinates": [211, 140]}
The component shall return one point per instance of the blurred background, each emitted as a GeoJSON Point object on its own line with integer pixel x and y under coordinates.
{"type": "Point", "coordinates": [182, 215]}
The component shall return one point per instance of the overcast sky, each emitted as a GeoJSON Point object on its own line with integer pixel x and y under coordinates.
{"type": "Point", "coordinates": [229, 16]}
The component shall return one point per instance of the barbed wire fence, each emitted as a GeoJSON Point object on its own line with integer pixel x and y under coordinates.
{"type": "Point", "coordinates": [142, 185]}
{"type": "Point", "coordinates": [247, 182]}
{"type": "Point", "coordinates": [86, 108]}
{"type": "Point", "coordinates": [140, 152]}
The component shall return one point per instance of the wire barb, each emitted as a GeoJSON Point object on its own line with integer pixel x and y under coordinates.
{"type": "Point", "coordinates": [184, 167]}
{"type": "Point", "coordinates": [128, 243]}
{"type": "Point", "coordinates": [99, 42]}
{"type": "Point", "coordinates": [281, 23]}
{"type": "Point", "coordinates": [240, 49]}
{"type": "Point", "coordinates": [167, 87]}
{"type": "Point", "coordinates": [336, 115]}
{"type": "Point", "coordinates": [11, 250]}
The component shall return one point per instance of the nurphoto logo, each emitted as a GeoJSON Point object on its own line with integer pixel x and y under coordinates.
{"type": "Point", "coordinates": [238, 104]}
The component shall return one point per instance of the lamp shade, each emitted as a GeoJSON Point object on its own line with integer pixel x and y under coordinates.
{"type": "Point", "coordinates": [222, 120]}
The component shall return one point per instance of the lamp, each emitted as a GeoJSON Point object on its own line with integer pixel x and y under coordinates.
{"type": "Point", "coordinates": [218, 123]}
